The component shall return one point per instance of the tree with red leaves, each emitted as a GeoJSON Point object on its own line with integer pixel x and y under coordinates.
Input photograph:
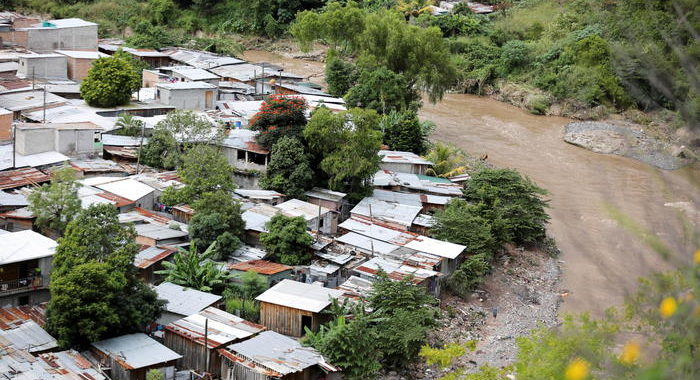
{"type": "Point", "coordinates": [279, 116]}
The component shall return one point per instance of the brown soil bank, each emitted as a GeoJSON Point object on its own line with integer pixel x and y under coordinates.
{"type": "Point", "coordinates": [601, 260]}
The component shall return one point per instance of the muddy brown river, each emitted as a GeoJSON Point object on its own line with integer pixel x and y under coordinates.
{"type": "Point", "coordinates": [601, 260]}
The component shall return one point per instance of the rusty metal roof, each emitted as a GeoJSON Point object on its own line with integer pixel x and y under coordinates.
{"type": "Point", "coordinates": [13, 316]}
{"type": "Point", "coordinates": [20, 328]}
{"type": "Point", "coordinates": [134, 351]}
{"type": "Point", "coordinates": [260, 266]}
{"type": "Point", "coordinates": [19, 364]}
{"type": "Point", "coordinates": [12, 179]}
{"type": "Point", "coordinates": [151, 255]}
{"type": "Point", "coordinates": [223, 328]}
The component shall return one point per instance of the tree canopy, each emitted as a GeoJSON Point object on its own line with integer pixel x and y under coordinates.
{"type": "Point", "coordinates": [110, 82]}
{"type": "Point", "coordinates": [193, 270]}
{"type": "Point", "coordinates": [289, 170]}
{"type": "Point", "coordinates": [54, 205]}
{"type": "Point", "coordinates": [382, 90]}
{"type": "Point", "coordinates": [279, 116]}
{"type": "Point", "coordinates": [93, 270]}
{"type": "Point", "coordinates": [345, 146]}
{"type": "Point", "coordinates": [217, 219]}
{"type": "Point", "coordinates": [204, 169]}
{"type": "Point", "coordinates": [287, 240]}
{"type": "Point", "coordinates": [404, 132]}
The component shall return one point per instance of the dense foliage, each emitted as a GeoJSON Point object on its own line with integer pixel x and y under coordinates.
{"type": "Point", "coordinates": [193, 270]}
{"type": "Point", "coordinates": [345, 147]}
{"type": "Point", "coordinates": [404, 132]}
{"type": "Point", "coordinates": [217, 219]}
{"type": "Point", "coordinates": [240, 295]}
{"type": "Point", "coordinates": [54, 205]}
{"type": "Point", "coordinates": [287, 240]}
{"type": "Point", "coordinates": [110, 82]}
{"type": "Point", "coordinates": [204, 169]}
{"type": "Point", "coordinates": [98, 251]}
{"type": "Point", "coordinates": [279, 116]}
{"type": "Point", "coordinates": [289, 170]}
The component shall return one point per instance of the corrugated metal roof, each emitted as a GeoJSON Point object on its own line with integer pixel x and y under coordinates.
{"type": "Point", "coordinates": [299, 295]}
{"type": "Point", "coordinates": [296, 207]}
{"type": "Point", "coordinates": [258, 194]}
{"type": "Point", "coordinates": [278, 353]}
{"type": "Point", "coordinates": [151, 255]}
{"type": "Point", "coordinates": [394, 156]}
{"type": "Point", "coordinates": [260, 266]}
{"type": "Point", "coordinates": [186, 86]}
{"type": "Point", "coordinates": [21, 365]}
{"type": "Point", "coordinates": [184, 301]}
{"type": "Point", "coordinates": [64, 23]}
{"type": "Point", "coordinates": [413, 199]}
{"type": "Point", "coordinates": [7, 199]}
{"type": "Point", "coordinates": [31, 160]}
{"type": "Point", "coordinates": [391, 212]}
{"type": "Point", "coordinates": [25, 245]}
{"type": "Point", "coordinates": [416, 183]}
{"type": "Point", "coordinates": [245, 72]}
{"type": "Point", "coordinates": [201, 59]}
{"type": "Point", "coordinates": [424, 220]}
{"type": "Point", "coordinates": [81, 54]}
{"type": "Point", "coordinates": [20, 327]}
{"type": "Point", "coordinates": [367, 244]}
{"type": "Point", "coordinates": [14, 316]}
{"type": "Point", "coordinates": [325, 194]}
{"type": "Point", "coordinates": [193, 73]}
{"type": "Point", "coordinates": [243, 139]}
{"type": "Point", "coordinates": [223, 328]}
{"type": "Point", "coordinates": [134, 351]}
{"type": "Point", "coordinates": [396, 270]}
{"type": "Point", "coordinates": [126, 188]}
{"type": "Point", "coordinates": [247, 253]}
{"type": "Point", "coordinates": [158, 231]}
{"type": "Point", "coordinates": [19, 101]}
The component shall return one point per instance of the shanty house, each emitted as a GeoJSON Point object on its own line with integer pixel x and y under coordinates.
{"type": "Point", "coordinates": [20, 364]}
{"type": "Point", "coordinates": [65, 138]}
{"type": "Point", "coordinates": [196, 96]}
{"type": "Point", "coordinates": [290, 306]}
{"type": "Point", "coordinates": [332, 200]}
{"type": "Point", "coordinates": [149, 260]}
{"type": "Point", "coordinates": [182, 302]}
{"type": "Point", "coordinates": [130, 357]}
{"type": "Point", "coordinates": [25, 266]}
{"type": "Point", "coordinates": [9, 201]}
{"type": "Point", "coordinates": [393, 214]}
{"type": "Point", "coordinates": [416, 183]}
{"type": "Point", "coordinates": [63, 34]}
{"type": "Point", "coordinates": [20, 219]}
{"type": "Point", "coordinates": [198, 337]}
{"type": "Point", "coordinates": [273, 272]}
{"type": "Point", "coordinates": [141, 194]}
{"type": "Point", "coordinates": [270, 197]}
{"type": "Point", "coordinates": [403, 162]}
{"type": "Point", "coordinates": [43, 66]}
{"type": "Point", "coordinates": [243, 152]}
{"type": "Point", "coordinates": [317, 218]}
{"type": "Point", "coordinates": [22, 329]}
{"type": "Point", "coordinates": [272, 356]}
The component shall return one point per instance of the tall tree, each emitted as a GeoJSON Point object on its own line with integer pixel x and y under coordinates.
{"type": "Point", "coordinates": [341, 75]}
{"type": "Point", "coordinates": [346, 146]}
{"type": "Point", "coordinates": [93, 270]}
{"type": "Point", "coordinates": [204, 170]}
{"type": "Point", "coordinates": [110, 82]}
{"type": "Point", "coordinates": [287, 239]}
{"type": "Point", "coordinates": [57, 203]}
{"type": "Point", "coordinates": [289, 171]}
{"type": "Point", "coordinates": [191, 269]}
{"type": "Point", "coordinates": [382, 90]}
{"type": "Point", "coordinates": [403, 132]}
{"type": "Point", "coordinates": [279, 116]}
{"type": "Point", "coordinates": [217, 219]}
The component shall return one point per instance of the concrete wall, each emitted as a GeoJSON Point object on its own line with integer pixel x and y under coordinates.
{"type": "Point", "coordinates": [72, 141]}
{"type": "Point", "coordinates": [35, 297]}
{"type": "Point", "coordinates": [43, 67]}
{"type": "Point", "coordinates": [35, 140]}
{"type": "Point", "coordinates": [232, 157]}
{"type": "Point", "coordinates": [403, 167]}
{"type": "Point", "coordinates": [78, 68]}
{"type": "Point", "coordinates": [46, 40]}
{"type": "Point", "coordinates": [5, 125]}
{"type": "Point", "coordinates": [189, 99]}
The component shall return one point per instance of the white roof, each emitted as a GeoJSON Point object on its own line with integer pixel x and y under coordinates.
{"type": "Point", "coordinates": [80, 54]}
{"type": "Point", "coordinates": [298, 295]}
{"type": "Point", "coordinates": [8, 66]}
{"type": "Point", "coordinates": [405, 239]}
{"type": "Point", "coordinates": [158, 231]}
{"type": "Point", "coordinates": [395, 156]}
{"type": "Point", "coordinates": [416, 182]}
{"type": "Point", "coordinates": [71, 114]}
{"type": "Point", "coordinates": [413, 199]}
{"type": "Point", "coordinates": [367, 244]}
{"type": "Point", "coordinates": [126, 188]}
{"type": "Point", "coordinates": [136, 350]}
{"type": "Point", "coordinates": [258, 194]}
{"type": "Point", "coordinates": [296, 207]}
{"type": "Point", "coordinates": [186, 86]}
{"type": "Point", "coordinates": [193, 73]}
{"type": "Point", "coordinates": [245, 72]}
{"type": "Point", "coordinates": [257, 217]}
{"type": "Point", "coordinates": [31, 160]}
{"type": "Point", "coordinates": [39, 56]}
{"type": "Point", "coordinates": [246, 108]}
{"type": "Point", "coordinates": [391, 212]}
{"type": "Point", "coordinates": [222, 327]}
{"type": "Point", "coordinates": [201, 59]}
{"type": "Point", "coordinates": [25, 245]}
{"type": "Point", "coordinates": [19, 101]}
{"type": "Point", "coordinates": [65, 23]}
{"type": "Point", "coordinates": [184, 301]}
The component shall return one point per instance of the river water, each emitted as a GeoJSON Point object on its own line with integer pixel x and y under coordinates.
{"type": "Point", "coordinates": [601, 260]}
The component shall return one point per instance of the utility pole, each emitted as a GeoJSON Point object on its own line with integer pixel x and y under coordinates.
{"type": "Point", "coordinates": [14, 145]}
{"type": "Point", "coordinates": [318, 220]}
{"type": "Point", "coordinates": [138, 154]}
{"type": "Point", "coordinates": [206, 342]}
{"type": "Point", "coordinates": [33, 77]}
{"type": "Point", "coordinates": [371, 239]}
{"type": "Point", "coordinates": [44, 112]}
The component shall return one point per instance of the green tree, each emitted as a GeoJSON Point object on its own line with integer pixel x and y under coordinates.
{"type": "Point", "coordinates": [470, 274]}
{"type": "Point", "coordinates": [403, 132]}
{"type": "Point", "coordinates": [382, 90]}
{"type": "Point", "coordinates": [110, 82]}
{"type": "Point", "coordinates": [55, 205]}
{"type": "Point", "coordinates": [513, 204]}
{"type": "Point", "coordinates": [341, 75]}
{"type": "Point", "coordinates": [162, 150]}
{"type": "Point", "coordinates": [448, 160]}
{"type": "Point", "coordinates": [350, 344]}
{"type": "Point", "coordinates": [240, 296]}
{"type": "Point", "coordinates": [155, 374]}
{"type": "Point", "coordinates": [204, 170]}
{"type": "Point", "coordinates": [128, 125]}
{"type": "Point", "coordinates": [338, 26]}
{"type": "Point", "coordinates": [217, 219]}
{"type": "Point", "coordinates": [345, 147]}
{"type": "Point", "coordinates": [288, 171]}
{"type": "Point", "coordinates": [96, 250]}
{"type": "Point", "coordinates": [279, 116]}
{"type": "Point", "coordinates": [463, 223]}
{"type": "Point", "coordinates": [193, 270]}
{"type": "Point", "coordinates": [287, 240]}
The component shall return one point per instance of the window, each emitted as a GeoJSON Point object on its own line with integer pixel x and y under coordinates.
{"type": "Point", "coordinates": [305, 322]}
{"type": "Point", "coordinates": [22, 301]}
{"type": "Point", "coordinates": [240, 155]}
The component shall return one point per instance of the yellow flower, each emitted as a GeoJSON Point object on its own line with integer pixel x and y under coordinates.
{"type": "Point", "coordinates": [577, 370]}
{"type": "Point", "coordinates": [630, 353]}
{"type": "Point", "coordinates": [668, 307]}
{"type": "Point", "coordinates": [696, 257]}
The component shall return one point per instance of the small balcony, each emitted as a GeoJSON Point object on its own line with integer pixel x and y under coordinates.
{"type": "Point", "coordinates": [21, 285]}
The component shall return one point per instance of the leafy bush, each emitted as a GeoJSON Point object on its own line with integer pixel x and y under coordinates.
{"type": "Point", "coordinates": [110, 82]}
{"type": "Point", "coordinates": [341, 75]}
{"type": "Point", "coordinates": [470, 274]}
{"type": "Point", "coordinates": [287, 240]}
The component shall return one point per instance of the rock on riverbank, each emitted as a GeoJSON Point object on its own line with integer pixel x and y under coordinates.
{"type": "Point", "coordinates": [627, 140]}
